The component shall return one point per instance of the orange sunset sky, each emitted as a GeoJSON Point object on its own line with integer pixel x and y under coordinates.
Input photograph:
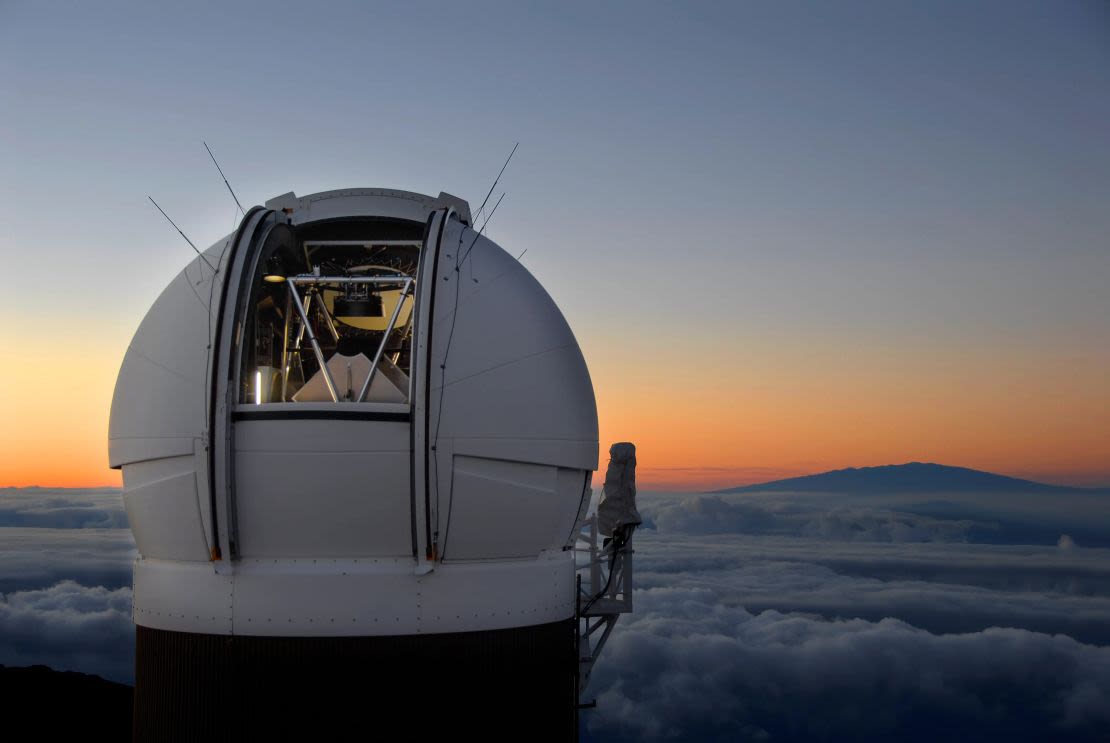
{"type": "Point", "coordinates": [779, 255]}
{"type": "Point", "coordinates": [748, 413]}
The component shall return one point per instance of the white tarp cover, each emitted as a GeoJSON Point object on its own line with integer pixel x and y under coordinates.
{"type": "Point", "coordinates": [349, 373]}
{"type": "Point", "coordinates": [617, 506]}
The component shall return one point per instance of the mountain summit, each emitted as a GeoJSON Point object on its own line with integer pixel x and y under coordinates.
{"type": "Point", "coordinates": [914, 477]}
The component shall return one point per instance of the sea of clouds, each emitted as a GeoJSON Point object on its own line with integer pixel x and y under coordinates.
{"type": "Point", "coordinates": [65, 581]}
{"type": "Point", "coordinates": [800, 617]}
{"type": "Point", "coordinates": [774, 617]}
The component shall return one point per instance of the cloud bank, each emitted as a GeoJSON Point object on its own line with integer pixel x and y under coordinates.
{"type": "Point", "coordinates": [65, 581]}
{"type": "Point", "coordinates": [38, 558]}
{"type": "Point", "coordinates": [62, 508]}
{"type": "Point", "coordinates": [795, 618]}
{"type": "Point", "coordinates": [785, 618]}
{"type": "Point", "coordinates": [982, 518]}
{"type": "Point", "coordinates": [69, 626]}
{"type": "Point", "coordinates": [687, 667]}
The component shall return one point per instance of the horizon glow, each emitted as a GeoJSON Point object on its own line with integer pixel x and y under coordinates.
{"type": "Point", "coordinates": [789, 238]}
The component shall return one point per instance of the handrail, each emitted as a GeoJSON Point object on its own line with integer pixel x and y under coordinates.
{"type": "Point", "coordinates": [609, 594]}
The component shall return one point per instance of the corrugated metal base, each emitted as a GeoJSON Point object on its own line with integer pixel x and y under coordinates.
{"type": "Point", "coordinates": [193, 687]}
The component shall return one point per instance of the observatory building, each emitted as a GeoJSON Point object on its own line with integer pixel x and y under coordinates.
{"type": "Point", "coordinates": [357, 440]}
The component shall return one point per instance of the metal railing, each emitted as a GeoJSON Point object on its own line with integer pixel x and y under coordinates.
{"type": "Point", "coordinates": [604, 592]}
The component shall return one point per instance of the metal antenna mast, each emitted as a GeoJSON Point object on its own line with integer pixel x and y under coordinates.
{"type": "Point", "coordinates": [194, 247]}
{"type": "Point", "coordinates": [480, 231]}
{"type": "Point", "coordinates": [229, 189]}
{"type": "Point", "coordinates": [495, 180]}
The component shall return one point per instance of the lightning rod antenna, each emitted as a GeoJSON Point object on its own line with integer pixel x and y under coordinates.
{"type": "Point", "coordinates": [495, 180]}
{"type": "Point", "coordinates": [229, 188]}
{"type": "Point", "coordinates": [480, 231]}
{"type": "Point", "coordinates": [194, 247]}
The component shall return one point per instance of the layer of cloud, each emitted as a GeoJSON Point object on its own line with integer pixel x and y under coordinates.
{"type": "Point", "coordinates": [62, 508]}
{"type": "Point", "coordinates": [37, 558]}
{"type": "Point", "coordinates": [938, 587]}
{"type": "Point", "coordinates": [1020, 518]}
{"type": "Point", "coordinates": [72, 627]}
{"type": "Point", "coordinates": [688, 667]}
{"type": "Point", "coordinates": [757, 618]}
{"type": "Point", "coordinates": [708, 514]}
{"type": "Point", "coordinates": [796, 618]}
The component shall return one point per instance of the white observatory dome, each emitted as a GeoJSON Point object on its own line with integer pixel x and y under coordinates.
{"type": "Point", "coordinates": [353, 418]}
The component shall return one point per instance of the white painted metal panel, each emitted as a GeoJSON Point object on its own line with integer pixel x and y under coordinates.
{"type": "Point", "coordinates": [322, 488]}
{"type": "Point", "coordinates": [498, 595]}
{"type": "Point", "coordinates": [140, 448]}
{"type": "Point", "coordinates": [327, 598]}
{"type": "Point", "coordinates": [182, 596]}
{"type": "Point", "coordinates": [162, 510]}
{"type": "Point", "coordinates": [161, 393]}
{"type": "Point", "coordinates": [503, 315]}
{"type": "Point", "coordinates": [538, 397]}
{"type": "Point", "coordinates": [346, 202]}
{"type": "Point", "coordinates": [324, 508]}
{"type": "Point", "coordinates": [322, 434]}
{"type": "Point", "coordinates": [502, 509]}
{"type": "Point", "coordinates": [345, 504]}
{"type": "Point", "coordinates": [360, 598]}
{"type": "Point", "coordinates": [577, 454]}
{"type": "Point", "coordinates": [375, 202]}
{"type": "Point", "coordinates": [509, 385]}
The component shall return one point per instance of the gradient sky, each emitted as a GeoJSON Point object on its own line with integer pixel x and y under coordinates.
{"type": "Point", "coordinates": [789, 236]}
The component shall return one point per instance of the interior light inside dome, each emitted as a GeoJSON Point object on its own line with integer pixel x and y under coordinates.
{"type": "Point", "coordinates": [275, 271]}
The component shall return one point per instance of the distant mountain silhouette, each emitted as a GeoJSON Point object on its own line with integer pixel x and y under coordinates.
{"type": "Point", "coordinates": [42, 704]}
{"type": "Point", "coordinates": [914, 477]}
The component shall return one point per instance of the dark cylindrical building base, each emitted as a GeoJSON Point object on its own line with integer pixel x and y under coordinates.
{"type": "Point", "coordinates": [194, 687]}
